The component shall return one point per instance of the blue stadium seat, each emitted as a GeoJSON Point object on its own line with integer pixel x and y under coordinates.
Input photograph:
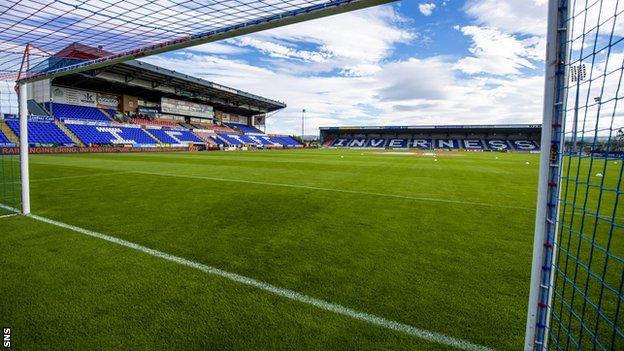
{"type": "Point", "coordinates": [422, 144]}
{"type": "Point", "coordinates": [397, 143]}
{"type": "Point", "coordinates": [427, 144]}
{"type": "Point", "coordinates": [473, 144]}
{"type": "Point", "coordinates": [218, 140]}
{"type": "Point", "coordinates": [261, 139]}
{"type": "Point", "coordinates": [232, 139]}
{"type": "Point", "coordinates": [111, 134]}
{"type": "Point", "coordinates": [524, 145]}
{"type": "Point", "coordinates": [175, 136]}
{"type": "Point", "coordinates": [245, 128]}
{"type": "Point", "coordinates": [4, 141]}
{"type": "Point", "coordinates": [358, 142]}
{"type": "Point", "coordinates": [286, 141]}
{"type": "Point", "coordinates": [497, 144]}
{"type": "Point", "coordinates": [446, 144]}
{"type": "Point", "coordinates": [65, 111]}
{"type": "Point", "coordinates": [376, 142]}
{"type": "Point", "coordinates": [341, 142]}
{"type": "Point", "coordinates": [247, 140]}
{"type": "Point", "coordinates": [41, 132]}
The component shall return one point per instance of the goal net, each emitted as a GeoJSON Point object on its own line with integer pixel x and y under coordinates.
{"type": "Point", "coordinates": [9, 160]}
{"type": "Point", "coordinates": [578, 270]}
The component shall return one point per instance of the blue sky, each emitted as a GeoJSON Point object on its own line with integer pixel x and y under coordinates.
{"type": "Point", "coordinates": [410, 62]}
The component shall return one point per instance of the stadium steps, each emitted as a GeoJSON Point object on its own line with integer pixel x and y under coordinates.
{"type": "Point", "coordinates": [152, 135]}
{"type": "Point", "coordinates": [68, 132]}
{"type": "Point", "coordinates": [105, 113]}
{"type": "Point", "coordinates": [36, 109]}
{"type": "Point", "coordinates": [206, 138]}
{"type": "Point", "coordinates": [187, 125]}
{"type": "Point", "coordinates": [8, 132]}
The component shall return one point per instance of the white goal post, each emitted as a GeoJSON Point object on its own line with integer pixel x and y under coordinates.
{"type": "Point", "coordinates": [577, 274]}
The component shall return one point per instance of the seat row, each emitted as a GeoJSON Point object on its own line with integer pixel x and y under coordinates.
{"type": "Point", "coordinates": [427, 144]}
{"type": "Point", "coordinates": [41, 132]}
{"type": "Point", "coordinates": [47, 132]}
{"type": "Point", "coordinates": [257, 140]}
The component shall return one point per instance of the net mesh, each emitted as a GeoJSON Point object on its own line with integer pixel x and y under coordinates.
{"type": "Point", "coordinates": [40, 38]}
{"type": "Point", "coordinates": [9, 183]}
{"type": "Point", "coordinates": [114, 28]}
{"type": "Point", "coordinates": [9, 160]}
{"type": "Point", "coordinates": [587, 311]}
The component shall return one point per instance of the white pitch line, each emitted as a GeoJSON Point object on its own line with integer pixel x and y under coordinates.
{"type": "Point", "coordinates": [289, 294]}
{"type": "Point", "coordinates": [415, 198]}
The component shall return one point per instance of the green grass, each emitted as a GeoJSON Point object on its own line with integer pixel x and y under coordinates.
{"type": "Point", "coordinates": [444, 246]}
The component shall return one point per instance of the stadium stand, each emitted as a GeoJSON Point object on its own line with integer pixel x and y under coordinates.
{"type": "Point", "coordinates": [477, 138]}
{"type": "Point", "coordinates": [328, 142]}
{"type": "Point", "coordinates": [219, 140]}
{"type": "Point", "coordinates": [286, 141]}
{"type": "Point", "coordinates": [428, 144]}
{"type": "Point", "coordinates": [175, 136]}
{"type": "Point", "coordinates": [253, 136]}
{"type": "Point", "coordinates": [206, 136]}
{"type": "Point", "coordinates": [244, 128]}
{"type": "Point", "coordinates": [262, 140]}
{"type": "Point", "coordinates": [105, 109]}
{"type": "Point", "coordinates": [41, 132]}
{"type": "Point", "coordinates": [8, 134]}
{"type": "Point", "coordinates": [155, 122]}
{"type": "Point", "coordinates": [234, 139]}
{"type": "Point", "coordinates": [101, 134]}
{"type": "Point", "coordinates": [216, 128]}
{"type": "Point", "coordinates": [4, 140]}
{"type": "Point", "coordinates": [65, 111]}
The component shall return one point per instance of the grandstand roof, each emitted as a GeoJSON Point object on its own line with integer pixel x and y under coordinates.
{"type": "Point", "coordinates": [433, 127]}
{"type": "Point", "coordinates": [223, 98]}
{"type": "Point", "coordinates": [124, 30]}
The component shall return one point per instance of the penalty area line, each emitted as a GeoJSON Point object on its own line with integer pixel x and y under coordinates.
{"type": "Point", "coordinates": [289, 294]}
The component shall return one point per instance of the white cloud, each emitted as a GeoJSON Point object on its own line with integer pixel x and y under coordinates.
{"type": "Point", "coordinates": [340, 69]}
{"type": "Point", "coordinates": [495, 52]}
{"type": "Point", "coordinates": [224, 48]}
{"type": "Point", "coordinates": [426, 8]}
{"type": "Point", "coordinates": [411, 91]}
{"type": "Point", "coordinates": [438, 94]}
{"type": "Point", "coordinates": [282, 51]}
{"type": "Point", "coordinates": [353, 43]}
{"type": "Point", "coordinates": [511, 16]}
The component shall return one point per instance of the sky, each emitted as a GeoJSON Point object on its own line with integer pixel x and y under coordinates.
{"type": "Point", "coordinates": [406, 63]}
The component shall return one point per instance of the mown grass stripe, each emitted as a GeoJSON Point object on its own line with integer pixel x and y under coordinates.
{"type": "Point", "coordinates": [38, 180]}
{"type": "Point", "coordinates": [346, 191]}
{"type": "Point", "coordinates": [289, 294]}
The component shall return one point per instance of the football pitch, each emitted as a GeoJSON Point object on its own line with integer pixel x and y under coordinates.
{"type": "Point", "coordinates": [302, 249]}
